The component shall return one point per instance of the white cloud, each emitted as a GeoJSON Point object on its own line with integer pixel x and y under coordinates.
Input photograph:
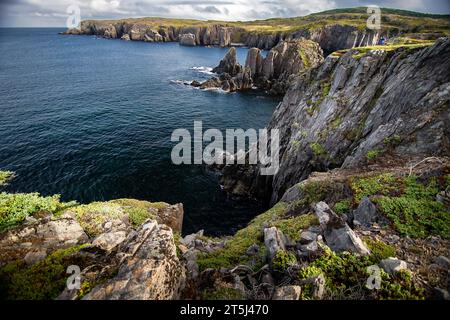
{"type": "Point", "coordinates": [52, 12]}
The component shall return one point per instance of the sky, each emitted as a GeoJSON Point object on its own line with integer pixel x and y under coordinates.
{"type": "Point", "coordinates": [53, 13]}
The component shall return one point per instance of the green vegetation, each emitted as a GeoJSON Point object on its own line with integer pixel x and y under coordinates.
{"type": "Point", "coordinates": [393, 140]}
{"type": "Point", "coordinates": [409, 204]}
{"type": "Point", "coordinates": [283, 260]}
{"type": "Point", "coordinates": [393, 20]}
{"type": "Point", "coordinates": [416, 212]}
{"type": "Point", "coordinates": [381, 184]}
{"type": "Point", "coordinates": [234, 252]}
{"type": "Point", "coordinates": [42, 281]}
{"type": "Point", "coordinates": [5, 176]}
{"type": "Point", "coordinates": [373, 154]}
{"type": "Point", "coordinates": [14, 208]}
{"type": "Point", "coordinates": [318, 149]}
{"type": "Point", "coordinates": [380, 250]}
{"type": "Point", "coordinates": [292, 227]}
{"type": "Point", "coordinates": [348, 272]}
{"type": "Point", "coordinates": [92, 216]}
{"type": "Point", "coordinates": [359, 52]}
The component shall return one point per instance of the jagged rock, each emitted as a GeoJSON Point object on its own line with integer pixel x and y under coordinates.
{"type": "Point", "coordinates": [125, 37]}
{"type": "Point", "coordinates": [189, 240]}
{"type": "Point", "coordinates": [444, 197]}
{"type": "Point", "coordinates": [43, 235]}
{"type": "Point", "coordinates": [35, 256]}
{"type": "Point", "coordinates": [188, 39]}
{"type": "Point", "coordinates": [254, 61]}
{"type": "Point", "coordinates": [148, 269]}
{"type": "Point", "coordinates": [349, 106]}
{"type": "Point", "coordinates": [366, 213]}
{"type": "Point", "coordinates": [317, 285]}
{"type": "Point", "coordinates": [287, 293]}
{"type": "Point", "coordinates": [229, 64]}
{"type": "Point", "coordinates": [309, 249]}
{"type": "Point", "coordinates": [307, 237]}
{"type": "Point", "coordinates": [172, 216]}
{"type": "Point", "coordinates": [338, 235]}
{"type": "Point", "coordinates": [274, 241]}
{"type": "Point", "coordinates": [108, 241]}
{"type": "Point", "coordinates": [393, 265]}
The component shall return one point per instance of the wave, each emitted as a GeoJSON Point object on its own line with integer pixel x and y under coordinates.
{"type": "Point", "coordinates": [205, 70]}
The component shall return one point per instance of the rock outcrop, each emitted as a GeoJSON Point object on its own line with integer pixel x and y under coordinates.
{"type": "Point", "coordinates": [148, 268]}
{"type": "Point", "coordinates": [119, 251]}
{"type": "Point", "coordinates": [188, 39]}
{"type": "Point", "coordinates": [273, 73]}
{"type": "Point", "coordinates": [330, 37]}
{"type": "Point", "coordinates": [354, 109]}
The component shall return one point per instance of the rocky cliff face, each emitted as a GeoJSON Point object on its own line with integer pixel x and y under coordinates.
{"type": "Point", "coordinates": [330, 38]}
{"type": "Point", "coordinates": [272, 73]}
{"type": "Point", "coordinates": [354, 109]}
{"type": "Point", "coordinates": [209, 35]}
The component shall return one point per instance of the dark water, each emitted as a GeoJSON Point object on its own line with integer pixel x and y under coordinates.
{"type": "Point", "coordinates": [91, 119]}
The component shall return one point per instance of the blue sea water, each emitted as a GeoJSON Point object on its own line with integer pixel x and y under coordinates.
{"type": "Point", "coordinates": [91, 119]}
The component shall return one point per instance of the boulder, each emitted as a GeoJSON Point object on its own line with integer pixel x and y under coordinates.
{"type": "Point", "coordinates": [287, 293]}
{"type": "Point", "coordinates": [172, 216]}
{"type": "Point", "coordinates": [393, 265]}
{"type": "Point", "coordinates": [126, 37]}
{"type": "Point", "coordinates": [366, 213]}
{"type": "Point", "coordinates": [108, 241]}
{"type": "Point", "coordinates": [337, 233]}
{"type": "Point", "coordinates": [188, 39]}
{"type": "Point", "coordinates": [229, 64]}
{"type": "Point", "coordinates": [274, 241]}
{"type": "Point", "coordinates": [443, 262]}
{"type": "Point", "coordinates": [148, 268]}
{"type": "Point", "coordinates": [35, 239]}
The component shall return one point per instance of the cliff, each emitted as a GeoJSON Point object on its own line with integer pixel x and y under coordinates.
{"type": "Point", "coordinates": [332, 30]}
{"type": "Point", "coordinates": [272, 73]}
{"type": "Point", "coordinates": [358, 107]}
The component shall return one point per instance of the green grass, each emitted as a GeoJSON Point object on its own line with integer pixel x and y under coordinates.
{"type": "Point", "coordinates": [409, 204]}
{"type": "Point", "coordinates": [44, 280]}
{"type": "Point", "coordinates": [345, 272]}
{"type": "Point", "coordinates": [318, 149]}
{"type": "Point", "coordinates": [14, 208]}
{"type": "Point", "coordinates": [292, 227]}
{"type": "Point", "coordinates": [343, 206]}
{"type": "Point", "coordinates": [283, 260]}
{"type": "Point", "coordinates": [392, 20]}
{"type": "Point", "coordinates": [373, 154]}
{"type": "Point", "coordinates": [358, 53]}
{"type": "Point", "coordinates": [5, 176]}
{"type": "Point", "coordinates": [234, 252]}
{"type": "Point", "coordinates": [381, 184]}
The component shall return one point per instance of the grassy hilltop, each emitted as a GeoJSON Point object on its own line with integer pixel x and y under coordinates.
{"type": "Point", "coordinates": [392, 19]}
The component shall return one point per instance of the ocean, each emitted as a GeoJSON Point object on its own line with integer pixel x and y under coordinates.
{"type": "Point", "coordinates": [91, 119]}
